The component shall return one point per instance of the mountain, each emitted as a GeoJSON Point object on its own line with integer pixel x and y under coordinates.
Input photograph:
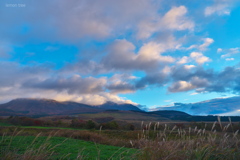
{"type": "Point", "coordinates": [114, 106]}
{"type": "Point", "coordinates": [219, 106]}
{"type": "Point", "coordinates": [26, 106]}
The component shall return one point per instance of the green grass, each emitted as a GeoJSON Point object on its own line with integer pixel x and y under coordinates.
{"type": "Point", "coordinates": [125, 115]}
{"type": "Point", "coordinates": [5, 124]}
{"type": "Point", "coordinates": [40, 127]}
{"type": "Point", "coordinates": [63, 148]}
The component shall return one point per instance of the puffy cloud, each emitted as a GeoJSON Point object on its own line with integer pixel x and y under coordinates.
{"type": "Point", "coordinates": [13, 74]}
{"type": "Point", "coordinates": [152, 52]}
{"type": "Point", "coordinates": [199, 82]}
{"type": "Point", "coordinates": [219, 50]}
{"type": "Point", "coordinates": [199, 57]}
{"type": "Point", "coordinates": [189, 73]}
{"type": "Point", "coordinates": [174, 20]}
{"type": "Point", "coordinates": [202, 80]}
{"type": "Point", "coordinates": [206, 42]}
{"type": "Point", "coordinates": [121, 87]}
{"type": "Point", "coordinates": [181, 86]}
{"type": "Point", "coordinates": [194, 56]}
{"type": "Point", "coordinates": [72, 85]}
{"type": "Point", "coordinates": [225, 81]}
{"type": "Point", "coordinates": [39, 81]}
{"type": "Point", "coordinates": [189, 66]}
{"type": "Point", "coordinates": [229, 59]}
{"type": "Point", "coordinates": [95, 99]}
{"type": "Point", "coordinates": [153, 79]}
{"type": "Point", "coordinates": [195, 82]}
{"type": "Point", "coordinates": [121, 56]}
{"type": "Point", "coordinates": [183, 60]}
{"type": "Point", "coordinates": [121, 83]}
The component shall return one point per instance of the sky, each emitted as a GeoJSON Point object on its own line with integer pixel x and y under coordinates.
{"type": "Point", "coordinates": [147, 52]}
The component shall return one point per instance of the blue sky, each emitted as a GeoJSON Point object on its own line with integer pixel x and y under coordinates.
{"type": "Point", "coordinates": [148, 52]}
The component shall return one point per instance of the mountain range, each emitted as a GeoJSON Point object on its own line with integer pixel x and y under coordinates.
{"type": "Point", "coordinates": [26, 106]}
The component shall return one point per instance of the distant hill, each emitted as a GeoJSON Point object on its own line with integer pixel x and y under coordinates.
{"type": "Point", "coordinates": [218, 106]}
{"type": "Point", "coordinates": [26, 106]}
{"type": "Point", "coordinates": [171, 114]}
{"type": "Point", "coordinates": [114, 106]}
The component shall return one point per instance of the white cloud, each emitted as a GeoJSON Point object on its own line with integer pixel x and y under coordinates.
{"type": "Point", "coordinates": [206, 43]}
{"type": "Point", "coordinates": [183, 60]}
{"type": "Point", "coordinates": [152, 51]}
{"type": "Point", "coordinates": [189, 66]}
{"type": "Point", "coordinates": [168, 100]}
{"type": "Point", "coordinates": [199, 57]}
{"type": "Point", "coordinates": [230, 52]}
{"type": "Point", "coordinates": [94, 99]}
{"type": "Point", "coordinates": [194, 82]}
{"type": "Point", "coordinates": [194, 93]}
{"type": "Point", "coordinates": [229, 59]}
{"type": "Point", "coordinates": [219, 50]}
{"type": "Point", "coordinates": [174, 20]}
{"type": "Point", "coordinates": [181, 86]}
{"type": "Point", "coordinates": [220, 7]}
{"type": "Point", "coordinates": [166, 70]}
{"type": "Point", "coordinates": [121, 56]}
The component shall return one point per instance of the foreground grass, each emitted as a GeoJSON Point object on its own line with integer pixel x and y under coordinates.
{"type": "Point", "coordinates": [153, 142]}
{"type": "Point", "coordinates": [31, 147]}
{"type": "Point", "coordinates": [5, 124]}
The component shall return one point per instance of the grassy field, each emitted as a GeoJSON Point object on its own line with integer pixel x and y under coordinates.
{"type": "Point", "coordinates": [154, 141]}
{"type": "Point", "coordinates": [30, 147]}
{"type": "Point", "coordinates": [5, 124]}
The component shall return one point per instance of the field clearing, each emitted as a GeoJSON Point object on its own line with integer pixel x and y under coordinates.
{"type": "Point", "coordinates": [125, 115]}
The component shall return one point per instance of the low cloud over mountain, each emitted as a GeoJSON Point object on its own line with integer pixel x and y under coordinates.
{"type": "Point", "coordinates": [219, 106]}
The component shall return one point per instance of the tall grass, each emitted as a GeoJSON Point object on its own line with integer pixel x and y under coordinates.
{"type": "Point", "coordinates": [191, 143]}
{"type": "Point", "coordinates": [35, 150]}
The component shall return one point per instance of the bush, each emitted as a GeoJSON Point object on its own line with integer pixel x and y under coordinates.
{"type": "Point", "coordinates": [110, 125]}
{"type": "Point", "coordinates": [90, 124]}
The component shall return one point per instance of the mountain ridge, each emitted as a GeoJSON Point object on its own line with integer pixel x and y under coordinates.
{"type": "Point", "coordinates": [43, 106]}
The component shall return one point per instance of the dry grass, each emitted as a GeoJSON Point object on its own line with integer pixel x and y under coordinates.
{"type": "Point", "coordinates": [192, 143]}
